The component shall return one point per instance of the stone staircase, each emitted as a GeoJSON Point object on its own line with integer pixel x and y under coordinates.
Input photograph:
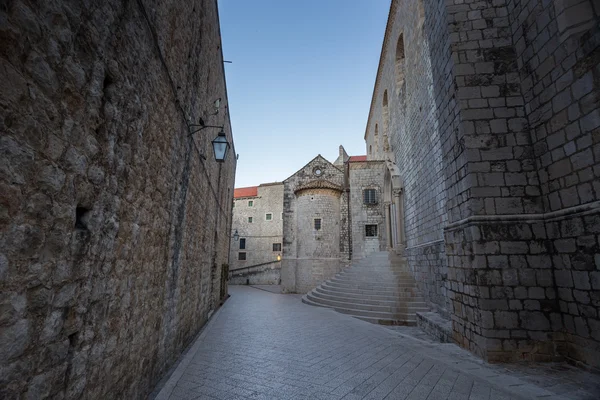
{"type": "Point", "coordinates": [378, 288]}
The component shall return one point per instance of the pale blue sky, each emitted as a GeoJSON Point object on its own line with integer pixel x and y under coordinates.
{"type": "Point", "coordinates": [301, 80]}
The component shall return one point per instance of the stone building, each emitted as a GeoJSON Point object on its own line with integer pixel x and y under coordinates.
{"type": "Point", "coordinates": [257, 233]}
{"type": "Point", "coordinates": [114, 220]}
{"type": "Point", "coordinates": [332, 212]}
{"type": "Point", "coordinates": [487, 116]}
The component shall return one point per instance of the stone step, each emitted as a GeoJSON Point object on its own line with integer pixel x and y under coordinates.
{"type": "Point", "coordinates": [395, 301]}
{"type": "Point", "coordinates": [373, 289]}
{"type": "Point", "coordinates": [369, 297]}
{"type": "Point", "coordinates": [370, 291]}
{"type": "Point", "coordinates": [370, 285]}
{"type": "Point", "coordinates": [392, 282]}
{"type": "Point", "coordinates": [383, 268]}
{"type": "Point", "coordinates": [407, 316]}
{"type": "Point", "coordinates": [388, 321]}
{"type": "Point", "coordinates": [404, 307]}
{"type": "Point", "coordinates": [371, 272]}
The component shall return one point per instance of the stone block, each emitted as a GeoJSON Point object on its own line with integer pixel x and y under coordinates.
{"type": "Point", "coordinates": [563, 278]}
{"type": "Point", "coordinates": [534, 321]}
{"type": "Point", "coordinates": [15, 339]}
{"type": "Point", "coordinates": [581, 280]}
{"type": "Point", "coordinates": [537, 293]}
{"type": "Point", "coordinates": [506, 319]}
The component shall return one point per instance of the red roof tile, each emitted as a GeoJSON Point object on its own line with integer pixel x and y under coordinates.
{"type": "Point", "coordinates": [357, 158]}
{"type": "Point", "coordinates": [251, 191]}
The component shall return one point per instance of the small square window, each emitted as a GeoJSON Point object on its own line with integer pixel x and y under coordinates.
{"type": "Point", "coordinates": [276, 246]}
{"type": "Point", "coordinates": [242, 256]}
{"type": "Point", "coordinates": [250, 203]}
{"type": "Point", "coordinates": [317, 224]}
{"type": "Point", "coordinates": [249, 220]}
{"type": "Point", "coordinates": [370, 196]}
{"type": "Point", "coordinates": [268, 216]}
{"type": "Point", "coordinates": [371, 230]}
{"type": "Point", "coordinates": [242, 243]}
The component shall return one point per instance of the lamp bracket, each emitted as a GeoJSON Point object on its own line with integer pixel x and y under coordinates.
{"type": "Point", "coordinates": [202, 127]}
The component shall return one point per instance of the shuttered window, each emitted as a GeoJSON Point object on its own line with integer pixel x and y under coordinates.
{"type": "Point", "coordinates": [317, 224]}
{"type": "Point", "coordinates": [370, 196]}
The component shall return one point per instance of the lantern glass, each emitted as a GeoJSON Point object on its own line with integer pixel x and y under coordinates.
{"type": "Point", "coordinates": [220, 146]}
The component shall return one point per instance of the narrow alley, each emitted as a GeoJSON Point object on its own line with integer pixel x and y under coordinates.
{"type": "Point", "coordinates": [262, 345]}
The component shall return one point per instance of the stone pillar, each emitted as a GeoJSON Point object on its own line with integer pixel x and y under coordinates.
{"type": "Point", "coordinates": [399, 203]}
{"type": "Point", "coordinates": [388, 230]}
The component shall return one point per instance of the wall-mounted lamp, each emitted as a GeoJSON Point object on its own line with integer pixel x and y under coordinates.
{"type": "Point", "coordinates": [236, 235]}
{"type": "Point", "coordinates": [220, 143]}
{"type": "Point", "coordinates": [220, 146]}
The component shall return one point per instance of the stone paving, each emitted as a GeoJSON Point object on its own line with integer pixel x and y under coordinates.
{"type": "Point", "coordinates": [262, 345]}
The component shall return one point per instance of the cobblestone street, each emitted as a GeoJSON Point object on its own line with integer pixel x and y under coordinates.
{"type": "Point", "coordinates": [263, 345]}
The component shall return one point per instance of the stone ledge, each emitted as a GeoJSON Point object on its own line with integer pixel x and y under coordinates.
{"type": "Point", "coordinates": [579, 210]}
{"type": "Point", "coordinates": [435, 325]}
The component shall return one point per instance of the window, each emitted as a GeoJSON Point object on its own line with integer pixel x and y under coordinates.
{"type": "Point", "coordinates": [317, 224]}
{"type": "Point", "coordinates": [370, 196]}
{"type": "Point", "coordinates": [268, 216]}
{"type": "Point", "coordinates": [242, 256]}
{"type": "Point", "coordinates": [276, 246]}
{"type": "Point", "coordinates": [399, 64]}
{"type": "Point", "coordinates": [250, 203]}
{"type": "Point", "coordinates": [371, 230]}
{"type": "Point", "coordinates": [249, 220]}
{"type": "Point", "coordinates": [282, 216]}
{"type": "Point", "coordinates": [242, 243]}
{"type": "Point", "coordinates": [386, 122]}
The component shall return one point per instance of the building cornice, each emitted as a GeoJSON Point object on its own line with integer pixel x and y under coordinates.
{"type": "Point", "coordinates": [318, 184]}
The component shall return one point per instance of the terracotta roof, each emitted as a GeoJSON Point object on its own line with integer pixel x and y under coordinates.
{"type": "Point", "coordinates": [251, 191]}
{"type": "Point", "coordinates": [357, 158]}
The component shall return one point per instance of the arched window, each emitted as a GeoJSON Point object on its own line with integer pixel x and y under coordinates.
{"type": "Point", "coordinates": [386, 122]}
{"type": "Point", "coordinates": [420, 14]}
{"type": "Point", "coordinates": [376, 139]}
{"type": "Point", "coordinates": [370, 149]}
{"type": "Point", "coordinates": [400, 63]}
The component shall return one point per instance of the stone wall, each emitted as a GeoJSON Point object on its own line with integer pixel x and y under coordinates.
{"type": "Point", "coordinates": [268, 274]}
{"type": "Point", "coordinates": [557, 48]}
{"type": "Point", "coordinates": [366, 175]}
{"type": "Point", "coordinates": [260, 234]}
{"type": "Point", "coordinates": [113, 228]}
{"type": "Point", "coordinates": [506, 93]}
{"type": "Point", "coordinates": [412, 105]}
{"type": "Point", "coordinates": [311, 256]}
{"type": "Point", "coordinates": [524, 165]}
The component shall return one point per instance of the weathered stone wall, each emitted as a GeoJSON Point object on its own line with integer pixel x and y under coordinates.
{"type": "Point", "coordinates": [311, 256]}
{"type": "Point", "coordinates": [366, 175]}
{"type": "Point", "coordinates": [494, 175]}
{"type": "Point", "coordinates": [113, 229]}
{"type": "Point", "coordinates": [261, 233]}
{"type": "Point", "coordinates": [413, 81]}
{"type": "Point", "coordinates": [513, 129]}
{"type": "Point", "coordinates": [269, 274]}
{"type": "Point", "coordinates": [517, 212]}
{"type": "Point", "coordinates": [557, 45]}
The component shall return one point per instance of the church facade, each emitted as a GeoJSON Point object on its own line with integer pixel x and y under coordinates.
{"type": "Point", "coordinates": [332, 213]}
